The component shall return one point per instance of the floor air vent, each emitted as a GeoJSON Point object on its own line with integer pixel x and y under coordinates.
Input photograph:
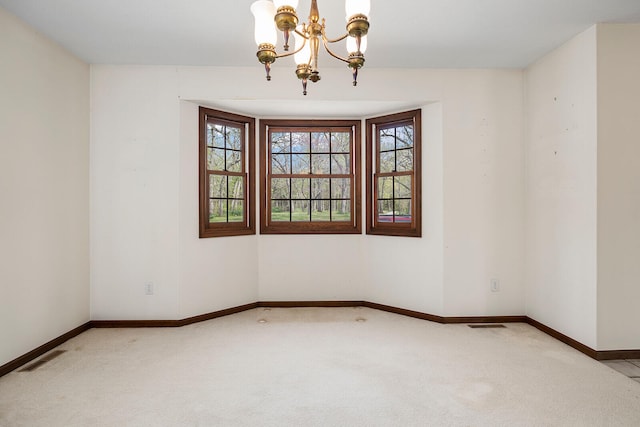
{"type": "Point", "coordinates": [486, 326]}
{"type": "Point", "coordinates": [45, 359]}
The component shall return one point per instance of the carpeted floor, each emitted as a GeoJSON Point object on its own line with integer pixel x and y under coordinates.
{"type": "Point", "coordinates": [319, 367]}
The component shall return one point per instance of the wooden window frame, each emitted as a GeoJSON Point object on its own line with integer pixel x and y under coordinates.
{"type": "Point", "coordinates": [223, 229]}
{"type": "Point", "coordinates": [354, 226]}
{"type": "Point", "coordinates": [414, 228]}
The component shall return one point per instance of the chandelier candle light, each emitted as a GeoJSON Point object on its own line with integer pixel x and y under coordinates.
{"type": "Point", "coordinates": [308, 36]}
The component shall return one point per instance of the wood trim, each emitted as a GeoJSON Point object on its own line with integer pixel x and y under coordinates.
{"type": "Point", "coordinates": [171, 323]}
{"type": "Point", "coordinates": [369, 177]}
{"type": "Point", "coordinates": [300, 227]}
{"type": "Point", "coordinates": [372, 226]}
{"type": "Point", "coordinates": [294, 304]}
{"type": "Point", "coordinates": [219, 313]}
{"type": "Point", "coordinates": [405, 312]}
{"type": "Point", "coordinates": [563, 338]}
{"type": "Point", "coordinates": [264, 168]}
{"type": "Point", "coordinates": [354, 225]}
{"type": "Point", "coordinates": [446, 320]}
{"type": "Point", "coordinates": [226, 229]}
{"type": "Point", "coordinates": [44, 348]}
{"type": "Point", "coordinates": [486, 319]}
{"type": "Point", "coordinates": [135, 323]}
{"type": "Point", "coordinates": [594, 354]}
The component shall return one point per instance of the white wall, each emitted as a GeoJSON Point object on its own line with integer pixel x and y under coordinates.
{"type": "Point", "coordinates": [214, 273]}
{"type": "Point", "coordinates": [483, 193]}
{"type": "Point", "coordinates": [408, 272]}
{"type": "Point", "coordinates": [144, 155]}
{"type": "Point", "coordinates": [618, 186]}
{"type": "Point", "coordinates": [44, 191]}
{"type": "Point", "coordinates": [311, 268]}
{"type": "Point", "coordinates": [135, 160]}
{"type": "Point", "coordinates": [561, 105]}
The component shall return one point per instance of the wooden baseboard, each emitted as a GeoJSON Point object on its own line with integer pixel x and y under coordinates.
{"type": "Point", "coordinates": [445, 319]}
{"type": "Point", "coordinates": [598, 355]}
{"type": "Point", "coordinates": [563, 338]}
{"type": "Point", "coordinates": [216, 314]}
{"type": "Point", "coordinates": [44, 348]}
{"type": "Point", "coordinates": [294, 304]}
{"type": "Point", "coordinates": [171, 323]}
{"type": "Point", "coordinates": [135, 323]}
{"type": "Point", "coordinates": [594, 354]}
{"type": "Point", "coordinates": [404, 312]}
{"type": "Point", "coordinates": [219, 313]}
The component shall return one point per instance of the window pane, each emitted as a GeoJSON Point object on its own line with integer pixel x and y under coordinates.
{"type": "Point", "coordinates": [280, 188]}
{"type": "Point", "coordinates": [319, 170]}
{"type": "Point", "coordinates": [226, 164]}
{"type": "Point", "coordinates": [236, 187]}
{"type": "Point", "coordinates": [402, 187]}
{"type": "Point", "coordinates": [209, 134]}
{"type": "Point", "coordinates": [280, 163]}
{"type": "Point", "coordinates": [385, 210]}
{"type": "Point", "coordinates": [236, 211]}
{"type": "Point", "coordinates": [234, 161]}
{"type": "Point", "coordinates": [405, 160]}
{"type": "Point", "coordinates": [396, 183]}
{"type": "Point", "coordinates": [300, 188]}
{"type": "Point", "coordinates": [217, 135]}
{"type": "Point", "coordinates": [387, 139]}
{"type": "Point", "coordinates": [300, 142]}
{"type": "Point", "coordinates": [300, 210]}
{"type": "Point", "coordinates": [280, 210]}
{"type": "Point", "coordinates": [320, 188]}
{"type": "Point", "coordinates": [217, 186]}
{"type": "Point", "coordinates": [320, 210]}
{"type": "Point", "coordinates": [340, 210]}
{"type": "Point", "coordinates": [387, 162]}
{"type": "Point", "coordinates": [320, 164]}
{"type": "Point", "coordinates": [300, 163]}
{"type": "Point", "coordinates": [320, 142]}
{"type": "Point", "coordinates": [215, 159]}
{"type": "Point", "coordinates": [340, 188]}
{"type": "Point", "coordinates": [280, 142]}
{"type": "Point", "coordinates": [234, 138]}
{"type": "Point", "coordinates": [340, 163]}
{"type": "Point", "coordinates": [340, 142]}
{"type": "Point", "coordinates": [404, 137]}
{"type": "Point", "coordinates": [403, 211]}
{"type": "Point", "coordinates": [217, 211]}
{"type": "Point", "coordinates": [385, 187]}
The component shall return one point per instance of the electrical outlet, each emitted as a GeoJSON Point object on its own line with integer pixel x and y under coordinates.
{"type": "Point", "coordinates": [148, 288]}
{"type": "Point", "coordinates": [495, 285]}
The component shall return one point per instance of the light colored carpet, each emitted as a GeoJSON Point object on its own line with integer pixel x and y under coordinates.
{"type": "Point", "coordinates": [319, 367]}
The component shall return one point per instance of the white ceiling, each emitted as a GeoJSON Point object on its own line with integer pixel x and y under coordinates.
{"type": "Point", "coordinates": [404, 33]}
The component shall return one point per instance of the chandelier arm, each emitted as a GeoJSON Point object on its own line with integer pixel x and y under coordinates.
{"type": "Point", "coordinates": [302, 34]}
{"type": "Point", "coordinates": [339, 39]}
{"type": "Point", "coordinates": [284, 55]}
{"type": "Point", "coordinates": [326, 47]}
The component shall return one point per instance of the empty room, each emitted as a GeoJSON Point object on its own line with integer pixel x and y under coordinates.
{"type": "Point", "coordinates": [319, 213]}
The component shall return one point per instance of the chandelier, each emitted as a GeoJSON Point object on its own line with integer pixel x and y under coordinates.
{"type": "Point", "coordinates": [308, 36]}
